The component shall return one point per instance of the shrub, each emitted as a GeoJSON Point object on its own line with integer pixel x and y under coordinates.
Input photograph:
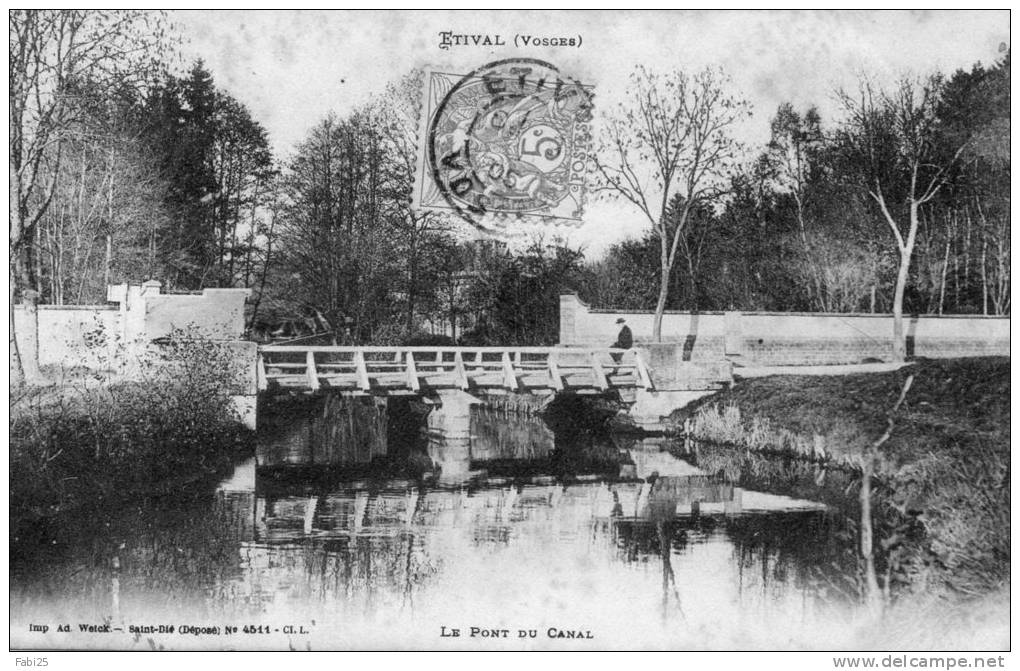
{"type": "Point", "coordinates": [75, 446]}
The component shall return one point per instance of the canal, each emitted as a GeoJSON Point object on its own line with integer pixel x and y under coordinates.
{"type": "Point", "coordinates": [573, 538]}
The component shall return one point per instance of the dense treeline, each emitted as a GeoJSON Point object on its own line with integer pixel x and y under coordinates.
{"type": "Point", "coordinates": [796, 231]}
{"type": "Point", "coordinates": [123, 170]}
{"type": "Point", "coordinates": [163, 181]}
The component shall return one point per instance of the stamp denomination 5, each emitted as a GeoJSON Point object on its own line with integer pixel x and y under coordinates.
{"type": "Point", "coordinates": [511, 138]}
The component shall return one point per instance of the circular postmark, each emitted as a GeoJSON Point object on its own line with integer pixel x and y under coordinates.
{"type": "Point", "coordinates": [512, 138]}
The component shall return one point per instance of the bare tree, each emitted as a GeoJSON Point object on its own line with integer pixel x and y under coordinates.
{"type": "Point", "coordinates": [397, 113]}
{"type": "Point", "coordinates": [889, 139]}
{"type": "Point", "coordinates": [336, 236]}
{"type": "Point", "coordinates": [52, 52]}
{"type": "Point", "coordinates": [109, 195]}
{"type": "Point", "coordinates": [243, 168]}
{"type": "Point", "coordinates": [670, 138]}
{"type": "Point", "coordinates": [841, 271]}
{"type": "Point", "coordinates": [791, 157]}
{"type": "Point", "coordinates": [793, 149]}
{"type": "Point", "coordinates": [262, 237]}
{"type": "Point", "coordinates": [995, 263]}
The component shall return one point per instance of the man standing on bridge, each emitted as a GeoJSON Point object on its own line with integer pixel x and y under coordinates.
{"type": "Point", "coordinates": [624, 339]}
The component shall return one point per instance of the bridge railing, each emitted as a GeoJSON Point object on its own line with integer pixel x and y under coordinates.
{"type": "Point", "coordinates": [364, 369]}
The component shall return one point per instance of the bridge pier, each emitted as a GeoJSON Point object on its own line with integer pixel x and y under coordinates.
{"type": "Point", "coordinates": [677, 383]}
{"type": "Point", "coordinates": [449, 434]}
{"type": "Point", "coordinates": [650, 407]}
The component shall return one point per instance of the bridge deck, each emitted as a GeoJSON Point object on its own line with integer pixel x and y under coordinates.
{"type": "Point", "coordinates": [383, 370]}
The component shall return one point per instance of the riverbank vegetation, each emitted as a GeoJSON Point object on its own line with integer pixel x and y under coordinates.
{"type": "Point", "coordinates": [942, 476]}
{"type": "Point", "coordinates": [82, 448]}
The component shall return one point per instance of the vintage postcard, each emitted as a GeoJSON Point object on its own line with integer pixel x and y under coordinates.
{"type": "Point", "coordinates": [511, 331]}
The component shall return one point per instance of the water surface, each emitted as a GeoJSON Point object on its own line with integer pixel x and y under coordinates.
{"type": "Point", "coordinates": [508, 560]}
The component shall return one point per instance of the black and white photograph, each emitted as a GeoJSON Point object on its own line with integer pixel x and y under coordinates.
{"type": "Point", "coordinates": [511, 330]}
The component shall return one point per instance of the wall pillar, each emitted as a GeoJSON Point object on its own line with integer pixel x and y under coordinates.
{"type": "Point", "coordinates": [569, 305]}
{"type": "Point", "coordinates": [151, 287]}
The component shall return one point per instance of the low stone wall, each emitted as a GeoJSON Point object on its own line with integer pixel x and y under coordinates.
{"type": "Point", "coordinates": [703, 335]}
{"type": "Point", "coordinates": [215, 313]}
{"type": "Point", "coordinates": [148, 314]}
{"type": "Point", "coordinates": [74, 336]}
{"type": "Point", "coordinates": [124, 338]}
{"type": "Point", "coordinates": [772, 338]}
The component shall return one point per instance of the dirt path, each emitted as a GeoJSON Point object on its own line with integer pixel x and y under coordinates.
{"type": "Point", "coordinates": [846, 369]}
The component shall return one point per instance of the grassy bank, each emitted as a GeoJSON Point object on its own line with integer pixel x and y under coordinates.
{"type": "Point", "coordinates": [81, 449]}
{"type": "Point", "coordinates": [944, 468]}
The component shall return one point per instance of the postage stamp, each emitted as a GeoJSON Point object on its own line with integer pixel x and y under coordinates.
{"type": "Point", "coordinates": [510, 140]}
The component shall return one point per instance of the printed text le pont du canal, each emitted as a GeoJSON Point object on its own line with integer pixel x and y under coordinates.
{"type": "Point", "coordinates": [485, 632]}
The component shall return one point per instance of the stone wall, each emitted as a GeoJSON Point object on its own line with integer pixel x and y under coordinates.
{"type": "Point", "coordinates": [124, 338]}
{"type": "Point", "coordinates": [74, 336]}
{"type": "Point", "coordinates": [217, 314]}
{"type": "Point", "coordinates": [835, 338]}
{"type": "Point", "coordinates": [148, 314]}
{"type": "Point", "coordinates": [772, 338]}
{"type": "Point", "coordinates": [99, 336]}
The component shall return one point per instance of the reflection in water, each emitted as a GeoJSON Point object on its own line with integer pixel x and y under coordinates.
{"type": "Point", "coordinates": [668, 558]}
{"type": "Point", "coordinates": [354, 562]}
{"type": "Point", "coordinates": [497, 435]}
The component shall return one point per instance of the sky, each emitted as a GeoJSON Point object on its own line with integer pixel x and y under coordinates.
{"type": "Point", "coordinates": [291, 68]}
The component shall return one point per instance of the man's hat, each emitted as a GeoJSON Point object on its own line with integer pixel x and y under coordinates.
{"type": "Point", "coordinates": [620, 320]}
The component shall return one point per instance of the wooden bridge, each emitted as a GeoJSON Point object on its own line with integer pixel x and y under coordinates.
{"type": "Point", "coordinates": [412, 370]}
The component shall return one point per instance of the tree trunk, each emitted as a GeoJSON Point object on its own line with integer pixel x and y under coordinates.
{"type": "Point", "coordinates": [412, 281]}
{"type": "Point", "coordinates": [16, 366]}
{"type": "Point", "coordinates": [942, 279]}
{"type": "Point", "coordinates": [899, 349]}
{"type": "Point", "coordinates": [664, 268]}
{"type": "Point", "coordinates": [453, 317]}
{"type": "Point", "coordinates": [27, 339]}
{"type": "Point", "coordinates": [966, 251]}
{"type": "Point", "coordinates": [108, 262]}
{"type": "Point", "coordinates": [660, 305]}
{"type": "Point", "coordinates": [872, 594]}
{"type": "Point", "coordinates": [693, 296]}
{"type": "Point", "coordinates": [24, 344]}
{"type": "Point", "coordinates": [899, 344]}
{"type": "Point", "coordinates": [984, 277]}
